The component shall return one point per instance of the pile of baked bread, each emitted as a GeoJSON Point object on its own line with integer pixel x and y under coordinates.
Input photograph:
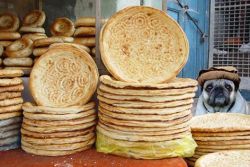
{"type": "Point", "coordinates": [220, 132]}
{"type": "Point", "coordinates": [11, 86]}
{"type": "Point", "coordinates": [63, 120]}
{"type": "Point", "coordinates": [85, 32]}
{"type": "Point", "coordinates": [144, 110]}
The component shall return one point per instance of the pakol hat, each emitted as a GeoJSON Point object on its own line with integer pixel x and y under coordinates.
{"type": "Point", "coordinates": [225, 72]}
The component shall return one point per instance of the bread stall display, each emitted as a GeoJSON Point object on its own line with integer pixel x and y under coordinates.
{"type": "Point", "coordinates": [11, 87]}
{"type": "Point", "coordinates": [144, 110]}
{"type": "Point", "coordinates": [220, 132]}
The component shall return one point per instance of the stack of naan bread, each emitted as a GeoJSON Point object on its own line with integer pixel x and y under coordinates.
{"type": "Point", "coordinates": [218, 132]}
{"type": "Point", "coordinates": [144, 111]}
{"type": "Point", "coordinates": [19, 53]}
{"type": "Point", "coordinates": [11, 86]}
{"type": "Point", "coordinates": [85, 32]}
{"type": "Point", "coordinates": [62, 83]}
{"type": "Point", "coordinates": [9, 24]}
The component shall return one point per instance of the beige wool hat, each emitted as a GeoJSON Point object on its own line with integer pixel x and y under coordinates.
{"type": "Point", "coordinates": [224, 72]}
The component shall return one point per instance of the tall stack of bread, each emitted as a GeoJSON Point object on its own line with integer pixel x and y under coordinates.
{"type": "Point", "coordinates": [63, 120]}
{"type": "Point", "coordinates": [11, 86]}
{"type": "Point", "coordinates": [9, 24]}
{"type": "Point", "coordinates": [220, 132]}
{"type": "Point", "coordinates": [61, 30]}
{"type": "Point", "coordinates": [85, 32]}
{"type": "Point", "coordinates": [19, 53]}
{"type": "Point", "coordinates": [144, 110]}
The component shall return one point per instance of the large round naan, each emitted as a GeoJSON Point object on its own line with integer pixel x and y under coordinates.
{"type": "Point", "coordinates": [143, 44]}
{"type": "Point", "coordinates": [63, 76]}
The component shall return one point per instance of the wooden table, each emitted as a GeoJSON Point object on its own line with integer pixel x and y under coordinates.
{"type": "Point", "coordinates": [88, 158]}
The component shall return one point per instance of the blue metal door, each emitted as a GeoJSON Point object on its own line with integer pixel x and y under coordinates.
{"type": "Point", "coordinates": [199, 11]}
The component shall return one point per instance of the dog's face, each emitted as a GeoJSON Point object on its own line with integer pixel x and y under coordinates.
{"type": "Point", "coordinates": [218, 94]}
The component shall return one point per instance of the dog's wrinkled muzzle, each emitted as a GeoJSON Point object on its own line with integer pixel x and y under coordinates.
{"type": "Point", "coordinates": [219, 97]}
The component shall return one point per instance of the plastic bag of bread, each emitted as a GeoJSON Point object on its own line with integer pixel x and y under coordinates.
{"type": "Point", "coordinates": [183, 147]}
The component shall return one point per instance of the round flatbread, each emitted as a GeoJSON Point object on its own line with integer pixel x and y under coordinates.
{"type": "Point", "coordinates": [29, 107]}
{"type": "Point", "coordinates": [174, 84]}
{"type": "Point", "coordinates": [9, 22]}
{"type": "Point", "coordinates": [139, 104]}
{"type": "Point", "coordinates": [27, 29]}
{"type": "Point", "coordinates": [9, 35]}
{"type": "Point", "coordinates": [223, 147]}
{"type": "Point", "coordinates": [218, 134]}
{"type": "Point", "coordinates": [34, 36]}
{"type": "Point", "coordinates": [64, 77]}
{"type": "Point", "coordinates": [222, 138]}
{"type": "Point", "coordinates": [44, 123]}
{"type": "Point", "coordinates": [50, 117]}
{"type": "Point", "coordinates": [138, 43]}
{"type": "Point", "coordinates": [10, 73]}
{"type": "Point", "coordinates": [26, 70]}
{"type": "Point", "coordinates": [57, 134]}
{"type": "Point", "coordinates": [53, 153]}
{"type": "Point", "coordinates": [149, 124]}
{"type": "Point", "coordinates": [58, 147]}
{"type": "Point", "coordinates": [60, 45]}
{"type": "Point", "coordinates": [9, 95]}
{"type": "Point", "coordinates": [13, 108]}
{"type": "Point", "coordinates": [10, 102]}
{"type": "Point", "coordinates": [45, 42]}
{"type": "Point", "coordinates": [156, 99]}
{"type": "Point", "coordinates": [20, 48]}
{"type": "Point", "coordinates": [35, 18]}
{"type": "Point", "coordinates": [86, 41]}
{"type": "Point", "coordinates": [62, 27]}
{"type": "Point", "coordinates": [226, 158]}
{"type": "Point", "coordinates": [10, 115]}
{"type": "Point", "coordinates": [145, 129]}
{"type": "Point", "coordinates": [52, 129]}
{"type": "Point", "coordinates": [229, 142]}
{"type": "Point", "coordinates": [85, 21]}
{"type": "Point", "coordinates": [132, 137]}
{"type": "Point", "coordinates": [221, 122]}
{"type": "Point", "coordinates": [10, 121]}
{"type": "Point", "coordinates": [154, 133]}
{"type": "Point", "coordinates": [144, 117]}
{"type": "Point", "coordinates": [39, 51]}
{"type": "Point", "coordinates": [58, 140]}
{"type": "Point", "coordinates": [156, 111]}
{"type": "Point", "coordinates": [84, 31]}
{"type": "Point", "coordinates": [147, 92]}
{"type": "Point", "coordinates": [18, 62]}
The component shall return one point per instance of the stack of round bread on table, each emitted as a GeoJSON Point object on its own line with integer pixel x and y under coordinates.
{"type": "Point", "coordinates": [9, 24]}
{"type": "Point", "coordinates": [85, 32]}
{"type": "Point", "coordinates": [144, 111]}
{"type": "Point", "coordinates": [11, 86]}
{"type": "Point", "coordinates": [218, 132]}
{"type": "Point", "coordinates": [63, 120]}
{"type": "Point", "coordinates": [61, 30]}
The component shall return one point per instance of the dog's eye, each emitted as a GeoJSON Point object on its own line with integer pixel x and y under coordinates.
{"type": "Point", "coordinates": [228, 87]}
{"type": "Point", "coordinates": [209, 87]}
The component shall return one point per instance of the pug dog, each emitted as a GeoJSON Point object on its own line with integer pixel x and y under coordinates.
{"type": "Point", "coordinates": [221, 95]}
